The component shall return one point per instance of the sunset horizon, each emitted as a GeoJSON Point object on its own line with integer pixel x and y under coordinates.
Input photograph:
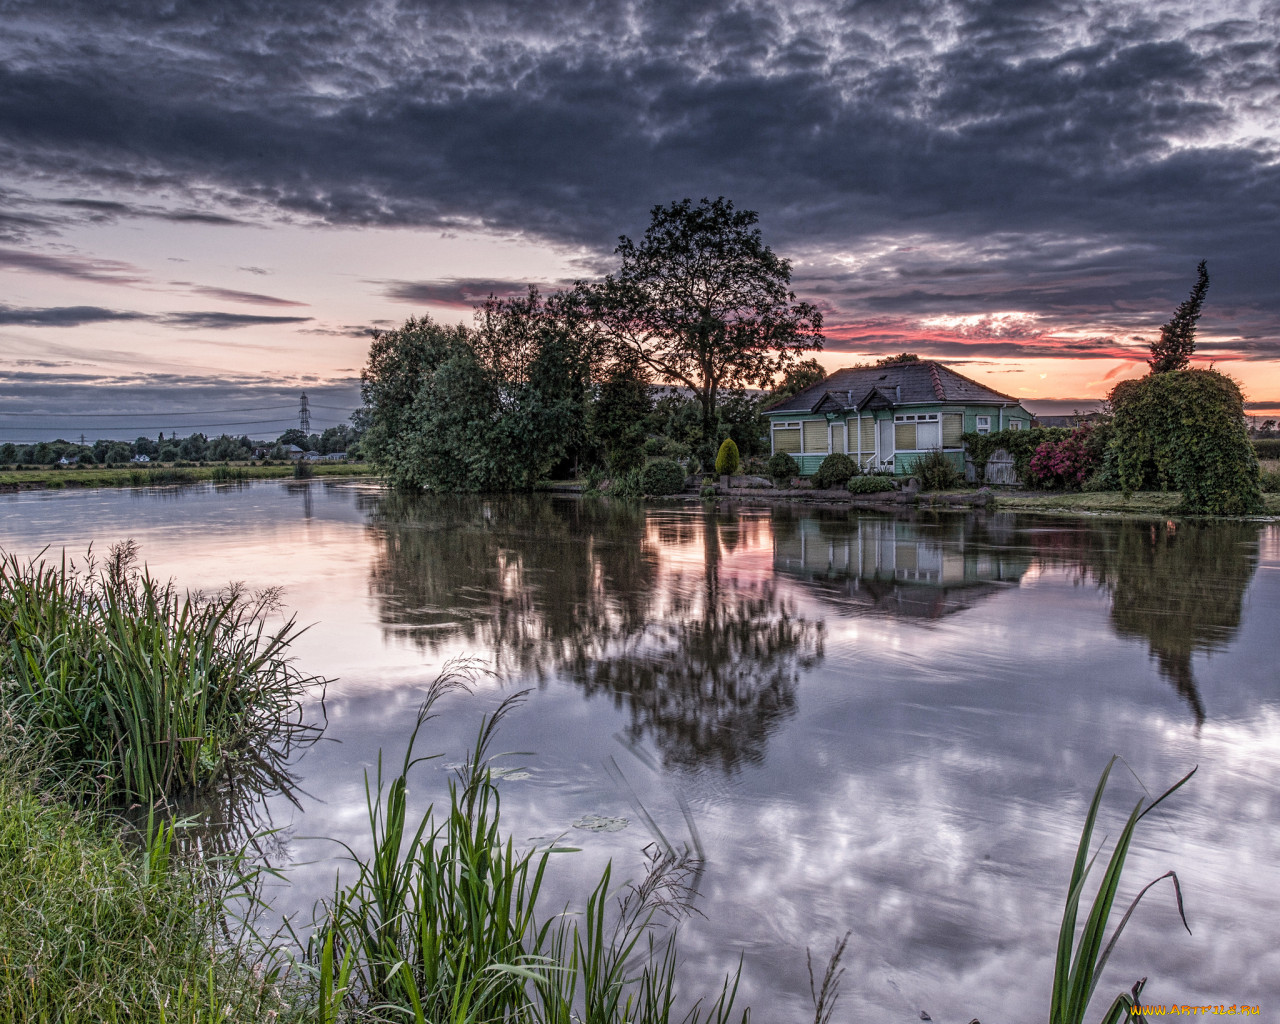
{"type": "Point", "coordinates": [205, 215]}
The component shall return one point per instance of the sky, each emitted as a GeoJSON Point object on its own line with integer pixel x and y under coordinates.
{"type": "Point", "coordinates": [205, 208]}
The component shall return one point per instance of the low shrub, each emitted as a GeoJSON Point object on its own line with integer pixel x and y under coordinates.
{"type": "Point", "coordinates": [835, 471]}
{"type": "Point", "coordinates": [754, 465]}
{"type": "Point", "coordinates": [1267, 447]}
{"type": "Point", "coordinates": [781, 468]}
{"type": "Point", "coordinates": [1271, 482]}
{"type": "Point", "coordinates": [680, 451]}
{"type": "Point", "coordinates": [870, 484]}
{"type": "Point", "coordinates": [936, 472]}
{"type": "Point", "coordinates": [626, 485]}
{"type": "Point", "coordinates": [1064, 464]}
{"type": "Point", "coordinates": [727, 459]}
{"type": "Point", "coordinates": [663, 476]}
{"type": "Point", "coordinates": [708, 488]}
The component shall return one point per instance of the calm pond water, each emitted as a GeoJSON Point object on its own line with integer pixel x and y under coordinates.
{"type": "Point", "coordinates": [885, 725]}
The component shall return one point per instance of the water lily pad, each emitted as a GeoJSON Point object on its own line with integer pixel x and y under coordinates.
{"type": "Point", "coordinates": [600, 823]}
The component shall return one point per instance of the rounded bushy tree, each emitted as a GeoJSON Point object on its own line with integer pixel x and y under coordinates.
{"type": "Point", "coordinates": [835, 471]}
{"type": "Point", "coordinates": [781, 468]}
{"type": "Point", "coordinates": [1187, 428]}
{"type": "Point", "coordinates": [662, 476]}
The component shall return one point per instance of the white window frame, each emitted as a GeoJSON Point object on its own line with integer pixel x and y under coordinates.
{"type": "Point", "coordinates": [917, 418]}
{"type": "Point", "coordinates": [982, 424]}
{"type": "Point", "coordinates": [790, 425]}
{"type": "Point", "coordinates": [1015, 424]}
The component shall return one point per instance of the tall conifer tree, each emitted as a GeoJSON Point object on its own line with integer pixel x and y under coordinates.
{"type": "Point", "coordinates": [1178, 336]}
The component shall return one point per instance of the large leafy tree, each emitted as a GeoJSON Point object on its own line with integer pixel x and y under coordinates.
{"type": "Point", "coordinates": [546, 352]}
{"type": "Point", "coordinates": [1178, 337]}
{"type": "Point", "coordinates": [704, 303]}
{"type": "Point", "coordinates": [491, 408]}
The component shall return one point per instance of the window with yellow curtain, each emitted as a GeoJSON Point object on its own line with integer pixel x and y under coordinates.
{"type": "Point", "coordinates": [815, 435]}
{"type": "Point", "coordinates": [787, 439]}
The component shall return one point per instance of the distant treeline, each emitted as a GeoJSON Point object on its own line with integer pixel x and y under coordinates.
{"type": "Point", "coordinates": [192, 448]}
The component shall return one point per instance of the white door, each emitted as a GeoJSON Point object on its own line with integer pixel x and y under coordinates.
{"type": "Point", "coordinates": [884, 450]}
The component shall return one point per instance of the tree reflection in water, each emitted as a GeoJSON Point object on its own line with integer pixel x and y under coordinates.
{"type": "Point", "coordinates": [704, 656]}
{"type": "Point", "coordinates": [1178, 586]}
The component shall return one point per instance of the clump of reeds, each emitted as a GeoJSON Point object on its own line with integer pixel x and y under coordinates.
{"type": "Point", "coordinates": [442, 921]}
{"type": "Point", "coordinates": [142, 689]}
{"type": "Point", "coordinates": [1080, 960]}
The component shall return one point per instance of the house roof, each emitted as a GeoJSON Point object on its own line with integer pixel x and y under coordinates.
{"type": "Point", "coordinates": [923, 383]}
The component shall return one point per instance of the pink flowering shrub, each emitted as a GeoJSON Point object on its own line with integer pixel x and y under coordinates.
{"type": "Point", "coordinates": [1066, 463]}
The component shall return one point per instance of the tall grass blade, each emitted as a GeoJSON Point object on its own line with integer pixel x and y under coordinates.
{"type": "Point", "coordinates": [1081, 959]}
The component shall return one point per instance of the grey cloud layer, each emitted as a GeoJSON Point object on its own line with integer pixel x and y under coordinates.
{"type": "Point", "coordinates": [74, 316]}
{"type": "Point", "coordinates": [41, 397]}
{"type": "Point", "coordinates": [1033, 141]}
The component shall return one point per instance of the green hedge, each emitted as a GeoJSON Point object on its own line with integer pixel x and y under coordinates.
{"type": "Point", "coordinates": [870, 484]}
{"type": "Point", "coordinates": [1267, 447]}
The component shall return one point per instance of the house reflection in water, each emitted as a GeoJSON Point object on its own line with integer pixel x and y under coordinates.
{"type": "Point", "coordinates": [902, 567]}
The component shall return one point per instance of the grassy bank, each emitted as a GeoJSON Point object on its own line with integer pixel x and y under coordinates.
{"type": "Point", "coordinates": [1143, 503]}
{"type": "Point", "coordinates": [158, 474]}
{"type": "Point", "coordinates": [98, 925]}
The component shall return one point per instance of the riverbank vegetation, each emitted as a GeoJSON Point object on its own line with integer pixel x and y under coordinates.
{"type": "Point", "coordinates": [147, 691]}
{"type": "Point", "coordinates": [443, 920]}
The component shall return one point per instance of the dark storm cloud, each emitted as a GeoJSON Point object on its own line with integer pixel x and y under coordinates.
{"type": "Point", "coordinates": [78, 267]}
{"type": "Point", "coordinates": [74, 316]}
{"type": "Point", "coordinates": [1066, 130]}
{"type": "Point", "coordinates": [223, 321]}
{"type": "Point", "coordinates": [457, 293]}
{"type": "Point", "coordinates": [63, 316]}
{"type": "Point", "coordinates": [251, 298]}
{"type": "Point", "coordinates": [108, 210]}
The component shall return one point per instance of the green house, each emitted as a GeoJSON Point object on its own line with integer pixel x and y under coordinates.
{"type": "Point", "coordinates": [887, 417]}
